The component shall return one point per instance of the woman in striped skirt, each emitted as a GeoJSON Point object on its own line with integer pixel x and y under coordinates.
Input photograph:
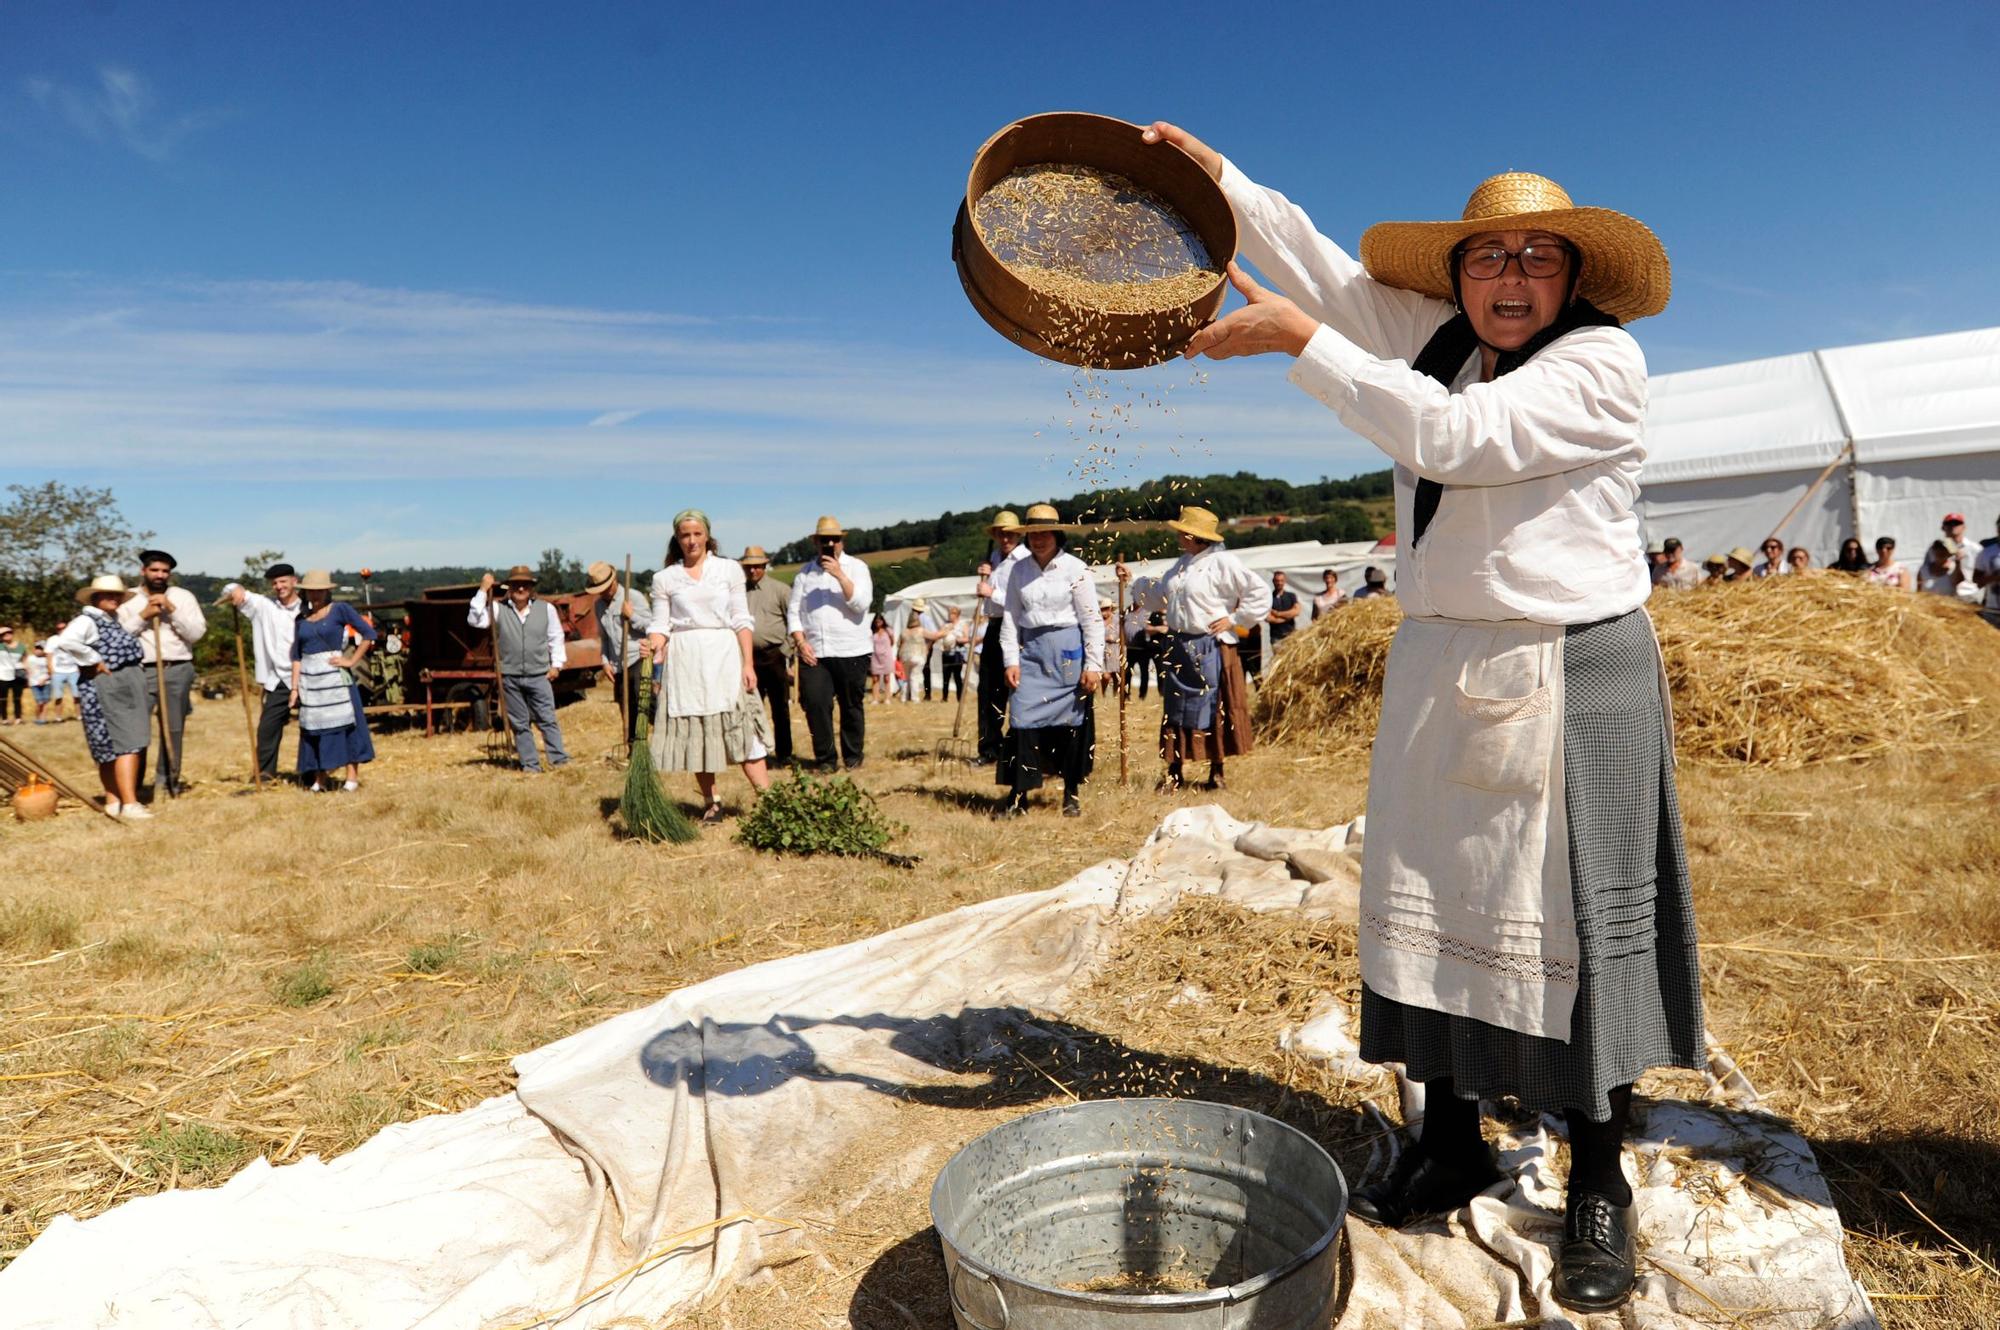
{"type": "Point", "coordinates": [1526, 926]}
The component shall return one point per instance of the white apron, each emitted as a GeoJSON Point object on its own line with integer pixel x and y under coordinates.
{"type": "Point", "coordinates": [1466, 905]}
{"type": "Point", "coordinates": [704, 672]}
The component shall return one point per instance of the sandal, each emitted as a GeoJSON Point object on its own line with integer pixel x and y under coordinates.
{"type": "Point", "coordinates": [712, 815]}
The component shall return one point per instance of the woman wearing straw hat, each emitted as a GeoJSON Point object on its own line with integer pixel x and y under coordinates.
{"type": "Point", "coordinates": [1207, 596]}
{"type": "Point", "coordinates": [712, 715]}
{"type": "Point", "coordinates": [1052, 647]}
{"type": "Point", "coordinates": [333, 727]}
{"type": "Point", "coordinates": [990, 680]}
{"type": "Point", "coordinates": [1526, 919]}
{"type": "Point", "coordinates": [110, 692]}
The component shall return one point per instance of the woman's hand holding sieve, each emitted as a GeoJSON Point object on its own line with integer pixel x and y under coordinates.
{"type": "Point", "coordinates": [1269, 322]}
{"type": "Point", "coordinates": [1205, 157]}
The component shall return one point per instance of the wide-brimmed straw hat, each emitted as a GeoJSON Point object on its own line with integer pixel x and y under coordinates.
{"type": "Point", "coordinates": [520, 572]}
{"type": "Point", "coordinates": [1625, 269]}
{"type": "Point", "coordinates": [1041, 517]}
{"type": "Point", "coordinates": [601, 575]}
{"type": "Point", "coordinates": [1004, 520]}
{"type": "Point", "coordinates": [1743, 555]}
{"type": "Point", "coordinates": [754, 557]}
{"type": "Point", "coordinates": [1199, 523]}
{"type": "Point", "coordinates": [104, 584]}
{"type": "Point", "coordinates": [828, 527]}
{"type": "Point", "coordinates": [316, 579]}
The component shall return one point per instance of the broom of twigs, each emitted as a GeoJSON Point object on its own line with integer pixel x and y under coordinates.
{"type": "Point", "coordinates": [649, 814]}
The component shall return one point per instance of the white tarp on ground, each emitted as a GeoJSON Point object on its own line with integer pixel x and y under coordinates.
{"type": "Point", "coordinates": [1731, 449]}
{"type": "Point", "coordinates": [626, 1177]}
{"type": "Point", "coordinates": [1301, 562]}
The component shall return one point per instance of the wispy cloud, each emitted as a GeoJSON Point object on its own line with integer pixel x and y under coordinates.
{"type": "Point", "coordinates": [222, 387]}
{"type": "Point", "coordinates": [122, 109]}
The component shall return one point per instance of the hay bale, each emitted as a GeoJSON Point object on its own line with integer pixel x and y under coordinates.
{"type": "Point", "coordinates": [1782, 672]}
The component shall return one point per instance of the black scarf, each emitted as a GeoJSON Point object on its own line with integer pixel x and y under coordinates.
{"type": "Point", "coordinates": [1445, 354]}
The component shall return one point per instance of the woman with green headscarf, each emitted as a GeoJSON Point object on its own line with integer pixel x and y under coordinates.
{"type": "Point", "coordinates": [710, 714]}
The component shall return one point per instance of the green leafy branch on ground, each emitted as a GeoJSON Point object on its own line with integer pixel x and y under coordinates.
{"type": "Point", "coordinates": [823, 815]}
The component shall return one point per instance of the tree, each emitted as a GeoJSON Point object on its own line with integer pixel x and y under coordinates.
{"type": "Point", "coordinates": [555, 573]}
{"type": "Point", "coordinates": [54, 537]}
{"type": "Point", "coordinates": [255, 564]}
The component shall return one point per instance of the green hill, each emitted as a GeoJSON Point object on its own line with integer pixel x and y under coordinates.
{"type": "Point", "coordinates": [1125, 523]}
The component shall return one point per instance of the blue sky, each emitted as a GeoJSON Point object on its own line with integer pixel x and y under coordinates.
{"type": "Point", "coordinates": [453, 282]}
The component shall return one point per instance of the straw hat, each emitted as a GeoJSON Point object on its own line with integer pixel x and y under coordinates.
{"type": "Point", "coordinates": [103, 584]}
{"type": "Point", "coordinates": [1041, 517]}
{"type": "Point", "coordinates": [601, 575]}
{"type": "Point", "coordinates": [754, 557]}
{"type": "Point", "coordinates": [1004, 520]}
{"type": "Point", "coordinates": [316, 579]}
{"type": "Point", "coordinates": [520, 572]}
{"type": "Point", "coordinates": [828, 527]}
{"type": "Point", "coordinates": [1743, 555]}
{"type": "Point", "coordinates": [1625, 269]}
{"type": "Point", "coordinates": [920, 604]}
{"type": "Point", "coordinates": [1199, 523]}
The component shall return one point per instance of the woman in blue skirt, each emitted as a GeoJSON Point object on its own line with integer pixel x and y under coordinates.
{"type": "Point", "coordinates": [333, 730]}
{"type": "Point", "coordinates": [1052, 643]}
{"type": "Point", "coordinates": [1526, 919]}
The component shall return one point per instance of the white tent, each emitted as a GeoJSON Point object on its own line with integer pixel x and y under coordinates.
{"type": "Point", "coordinates": [1875, 440]}
{"type": "Point", "coordinates": [1300, 561]}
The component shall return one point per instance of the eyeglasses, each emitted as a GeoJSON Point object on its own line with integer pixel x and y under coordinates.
{"type": "Point", "coordinates": [1489, 261]}
{"type": "Point", "coordinates": [1773, 545]}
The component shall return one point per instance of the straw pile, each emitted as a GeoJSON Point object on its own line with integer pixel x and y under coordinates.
{"type": "Point", "coordinates": [1781, 672]}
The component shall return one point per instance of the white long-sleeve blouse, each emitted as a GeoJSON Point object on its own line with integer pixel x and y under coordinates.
{"type": "Point", "coordinates": [716, 600]}
{"type": "Point", "coordinates": [1051, 597]}
{"type": "Point", "coordinates": [1540, 467]}
{"type": "Point", "coordinates": [1201, 588]}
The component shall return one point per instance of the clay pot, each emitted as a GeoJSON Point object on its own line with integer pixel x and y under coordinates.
{"type": "Point", "coordinates": [34, 801]}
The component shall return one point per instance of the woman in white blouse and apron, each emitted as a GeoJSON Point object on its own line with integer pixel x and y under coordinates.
{"type": "Point", "coordinates": [1052, 644]}
{"type": "Point", "coordinates": [1207, 596]}
{"type": "Point", "coordinates": [710, 714]}
{"type": "Point", "coordinates": [1526, 923]}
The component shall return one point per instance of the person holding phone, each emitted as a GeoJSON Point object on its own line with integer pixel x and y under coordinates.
{"type": "Point", "coordinates": [828, 619]}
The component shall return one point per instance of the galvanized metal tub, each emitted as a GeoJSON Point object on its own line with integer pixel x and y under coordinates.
{"type": "Point", "coordinates": [1243, 1208]}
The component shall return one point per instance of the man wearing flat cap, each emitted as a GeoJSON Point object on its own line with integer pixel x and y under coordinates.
{"type": "Point", "coordinates": [168, 621]}
{"type": "Point", "coordinates": [827, 616]}
{"type": "Point", "coordinates": [623, 617]}
{"type": "Point", "coordinates": [528, 638]}
{"type": "Point", "coordinates": [770, 646]}
{"type": "Point", "coordinates": [274, 619]}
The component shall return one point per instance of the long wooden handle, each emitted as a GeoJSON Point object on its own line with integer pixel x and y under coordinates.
{"type": "Point", "coordinates": [243, 687]}
{"type": "Point", "coordinates": [166, 729]}
{"type": "Point", "coordinates": [1124, 680]}
{"type": "Point", "coordinates": [972, 644]}
{"type": "Point", "coordinates": [499, 680]}
{"type": "Point", "coordinates": [627, 698]}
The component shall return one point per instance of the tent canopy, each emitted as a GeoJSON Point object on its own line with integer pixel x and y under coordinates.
{"type": "Point", "coordinates": [1731, 450]}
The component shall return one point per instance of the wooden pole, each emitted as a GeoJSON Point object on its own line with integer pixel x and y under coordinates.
{"type": "Point", "coordinates": [173, 773]}
{"type": "Point", "coordinates": [972, 645]}
{"type": "Point", "coordinates": [1124, 686]}
{"type": "Point", "coordinates": [628, 696]}
{"type": "Point", "coordinates": [243, 686]}
{"type": "Point", "coordinates": [1845, 454]}
{"type": "Point", "coordinates": [499, 680]}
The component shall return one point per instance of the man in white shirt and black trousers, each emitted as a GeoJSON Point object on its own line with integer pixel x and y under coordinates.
{"type": "Point", "coordinates": [828, 620]}
{"type": "Point", "coordinates": [177, 616]}
{"type": "Point", "coordinates": [994, 692]}
{"type": "Point", "coordinates": [273, 621]}
{"type": "Point", "coordinates": [528, 637]}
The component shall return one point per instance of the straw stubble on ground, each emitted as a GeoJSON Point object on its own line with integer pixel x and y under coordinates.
{"type": "Point", "coordinates": [282, 974]}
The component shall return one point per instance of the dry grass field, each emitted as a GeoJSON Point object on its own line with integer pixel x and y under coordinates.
{"type": "Point", "coordinates": [281, 973]}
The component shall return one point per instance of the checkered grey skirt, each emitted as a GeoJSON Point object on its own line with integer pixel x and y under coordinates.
{"type": "Point", "coordinates": [1639, 1001]}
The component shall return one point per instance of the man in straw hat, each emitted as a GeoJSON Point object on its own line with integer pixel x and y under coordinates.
{"type": "Point", "coordinates": [993, 690]}
{"type": "Point", "coordinates": [770, 646]}
{"type": "Point", "coordinates": [827, 616]}
{"type": "Point", "coordinates": [623, 617]}
{"type": "Point", "coordinates": [274, 619]}
{"type": "Point", "coordinates": [167, 621]}
{"type": "Point", "coordinates": [1207, 596]}
{"type": "Point", "coordinates": [528, 635]}
{"type": "Point", "coordinates": [1523, 751]}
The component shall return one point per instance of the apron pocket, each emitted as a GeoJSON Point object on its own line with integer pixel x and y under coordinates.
{"type": "Point", "coordinates": [1503, 743]}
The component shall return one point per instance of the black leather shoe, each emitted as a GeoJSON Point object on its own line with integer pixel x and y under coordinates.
{"type": "Point", "coordinates": [1419, 1187]}
{"type": "Point", "coordinates": [1071, 808]}
{"type": "Point", "coordinates": [1594, 1270]}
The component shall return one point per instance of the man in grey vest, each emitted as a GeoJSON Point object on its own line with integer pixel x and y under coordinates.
{"type": "Point", "coordinates": [529, 637]}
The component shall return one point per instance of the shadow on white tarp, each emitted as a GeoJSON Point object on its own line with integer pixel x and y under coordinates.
{"type": "Point", "coordinates": [644, 1164]}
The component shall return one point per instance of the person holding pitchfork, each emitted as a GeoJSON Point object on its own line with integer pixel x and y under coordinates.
{"type": "Point", "coordinates": [167, 621]}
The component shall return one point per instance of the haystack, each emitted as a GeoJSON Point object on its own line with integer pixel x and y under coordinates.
{"type": "Point", "coordinates": [1781, 672]}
